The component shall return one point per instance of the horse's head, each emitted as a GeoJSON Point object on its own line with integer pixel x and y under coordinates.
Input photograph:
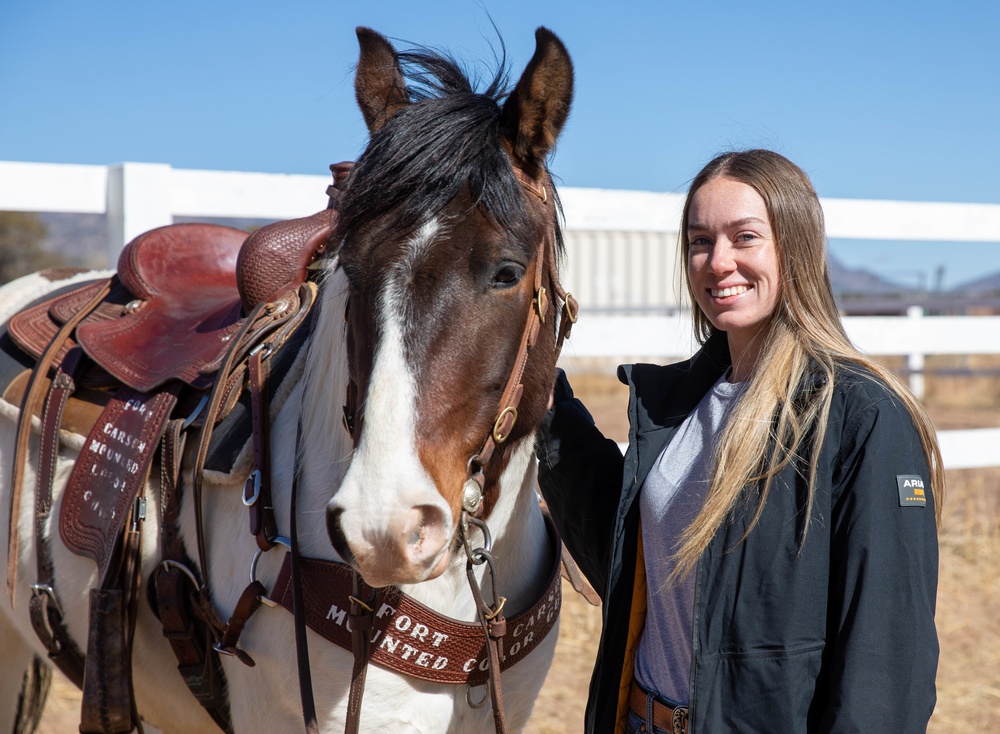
{"type": "Point", "coordinates": [448, 229]}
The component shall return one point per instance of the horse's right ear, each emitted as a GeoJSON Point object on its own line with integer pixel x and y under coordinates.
{"type": "Point", "coordinates": [378, 84]}
{"type": "Point", "coordinates": [535, 112]}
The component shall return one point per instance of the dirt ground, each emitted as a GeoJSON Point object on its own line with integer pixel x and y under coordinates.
{"type": "Point", "coordinates": [968, 596]}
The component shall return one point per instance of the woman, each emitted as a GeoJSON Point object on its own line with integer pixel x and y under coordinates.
{"type": "Point", "coordinates": [766, 550]}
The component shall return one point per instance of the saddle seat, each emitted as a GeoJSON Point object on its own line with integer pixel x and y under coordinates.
{"type": "Point", "coordinates": [186, 307]}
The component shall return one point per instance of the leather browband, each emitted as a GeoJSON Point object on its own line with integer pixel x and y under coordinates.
{"type": "Point", "coordinates": [411, 639]}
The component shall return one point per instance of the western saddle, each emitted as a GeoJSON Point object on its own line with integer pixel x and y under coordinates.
{"type": "Point", "coordinates": [136, 363]}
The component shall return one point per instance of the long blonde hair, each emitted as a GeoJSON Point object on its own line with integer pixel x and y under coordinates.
{"type": "Point", "coordinates": [805, 334]}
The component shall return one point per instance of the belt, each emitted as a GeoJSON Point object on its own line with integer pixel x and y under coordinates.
{"type": "Point", "coordinates": [673, 720]}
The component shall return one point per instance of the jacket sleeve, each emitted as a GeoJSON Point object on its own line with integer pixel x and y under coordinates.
{"type": "Point", "coordinates": [580, 476]}
{"type": "Point", "coordinates": [882, 648]}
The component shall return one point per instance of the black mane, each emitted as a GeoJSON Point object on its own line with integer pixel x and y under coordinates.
{"type": "Point", "coordinates": [421, 158]}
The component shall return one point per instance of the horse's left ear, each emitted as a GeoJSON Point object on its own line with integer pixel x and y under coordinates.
{"type": "Point", "coordinates": [536, 110]}
{"type": "Point", "coordinates": [378, 83]}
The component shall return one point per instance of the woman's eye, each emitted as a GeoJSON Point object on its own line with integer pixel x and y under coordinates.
{"type": "Point", "coordinates": [507, 275]}
{"type": "Point", "coordinates": [746, 237]}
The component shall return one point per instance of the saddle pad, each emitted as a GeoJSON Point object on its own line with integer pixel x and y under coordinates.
{"type": "Point", "coordinates": [110, 470]}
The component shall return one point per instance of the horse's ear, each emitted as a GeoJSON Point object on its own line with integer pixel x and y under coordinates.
{"type": "Point", "coordinates": [378, 84]}
{"type": "Point", "coordinates": [536, 110]}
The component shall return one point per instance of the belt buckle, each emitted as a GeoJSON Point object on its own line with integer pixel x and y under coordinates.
{"type": "Point", "coordinates": [679, 720]}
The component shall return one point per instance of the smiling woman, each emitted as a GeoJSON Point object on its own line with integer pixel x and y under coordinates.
{"type": "Point", "coordinates": [775, 513]}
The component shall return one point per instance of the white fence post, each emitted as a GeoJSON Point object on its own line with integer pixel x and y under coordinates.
{"type": "Point", "coordinates": [139, 199]}
{"type": "Point", "coordinates": [915, 360]}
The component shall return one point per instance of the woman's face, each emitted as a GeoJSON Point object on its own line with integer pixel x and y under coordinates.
{"type": "Point", "coordinates": [732, 262]}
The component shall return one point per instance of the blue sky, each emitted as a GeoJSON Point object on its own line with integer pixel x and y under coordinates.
{"type": "Point", "coordinates": [896, 100]}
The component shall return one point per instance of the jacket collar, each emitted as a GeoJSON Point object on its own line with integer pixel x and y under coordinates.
{"type": "Point", "coordinates": [662, 396]}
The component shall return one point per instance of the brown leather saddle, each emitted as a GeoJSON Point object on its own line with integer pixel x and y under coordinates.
{"type": "Point", "coordinates": [153, 346]}
{"type": "Point", "coordinates": [162, 348]}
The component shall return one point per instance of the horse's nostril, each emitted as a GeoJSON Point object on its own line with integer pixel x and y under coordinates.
{"type": "Point", "coordinates": [428, 533]}
{"type": "Point", "coordinates": [336, 533]}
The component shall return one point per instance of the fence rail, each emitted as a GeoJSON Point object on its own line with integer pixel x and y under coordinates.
{"type": "Point", "coordinates": [617, 241]}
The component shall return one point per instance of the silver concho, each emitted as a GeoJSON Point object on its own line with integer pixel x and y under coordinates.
{"type": "Point", "coordinates": [472, 496]}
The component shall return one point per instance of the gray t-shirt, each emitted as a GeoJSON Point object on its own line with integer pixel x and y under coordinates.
{"type": "Point", "coordinates": [671, 497]}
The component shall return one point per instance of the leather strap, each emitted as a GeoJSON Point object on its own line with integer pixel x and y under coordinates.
{"type": "Point", "coordinates": [31, 397]}
{"type": "Point", "coordinates": [276, 321]}
{"type": "Point", "coordinates": [257, 489]}
{"type": "Point", "coordinates": [650, 710]}
{"type": "Point", "coordinates": [496, 630]}
{"type": "Point", "coordinates": [362, 617]}
{"type": "Point", "coordinates": [45, 610]}
{"type": "Point", "coordinates": [299, 609]}
{"type": "Point", "coordinates": [544, 271]}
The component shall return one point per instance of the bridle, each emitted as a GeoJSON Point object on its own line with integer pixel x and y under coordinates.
{"type": "Point", "coordinates": [474, 497]}
{"type": "Point", "coordinates": [474, 489]}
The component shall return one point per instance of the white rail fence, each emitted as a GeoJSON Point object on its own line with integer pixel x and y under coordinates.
{"type": "Point", "coordinates": [603, 228]}
{"type": "Point", "coordinates": [671, 337]}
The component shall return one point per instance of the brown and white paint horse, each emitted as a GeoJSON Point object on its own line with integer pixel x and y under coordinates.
{"type": "Point", "coordinates": [442, 228]}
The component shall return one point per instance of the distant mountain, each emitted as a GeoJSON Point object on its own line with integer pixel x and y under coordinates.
{"type": "Point", "coordinates": [858, 281]}
{"type": "Point", "coordinates": [988, 285]}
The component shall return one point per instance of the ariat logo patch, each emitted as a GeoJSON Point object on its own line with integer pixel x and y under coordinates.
{"type": "Point", "coordinates": [911, 490]}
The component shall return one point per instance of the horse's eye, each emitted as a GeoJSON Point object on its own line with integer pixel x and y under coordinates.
{"type": "Point", "coordinates": [507, 275]}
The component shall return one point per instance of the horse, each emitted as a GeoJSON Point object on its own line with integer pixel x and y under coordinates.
{"type": "Point", "coordinates": [401, 442]}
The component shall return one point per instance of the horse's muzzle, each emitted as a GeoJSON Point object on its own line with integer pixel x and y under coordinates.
{"type": "Point", "coordinates": [406, 548]}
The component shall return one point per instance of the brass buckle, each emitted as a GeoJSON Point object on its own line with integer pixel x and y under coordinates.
{"type": "Point", "coordinates": [498, 436]}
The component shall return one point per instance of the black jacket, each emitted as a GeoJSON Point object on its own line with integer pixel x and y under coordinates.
{"type": "Point", "coordinates": [833, 635]}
